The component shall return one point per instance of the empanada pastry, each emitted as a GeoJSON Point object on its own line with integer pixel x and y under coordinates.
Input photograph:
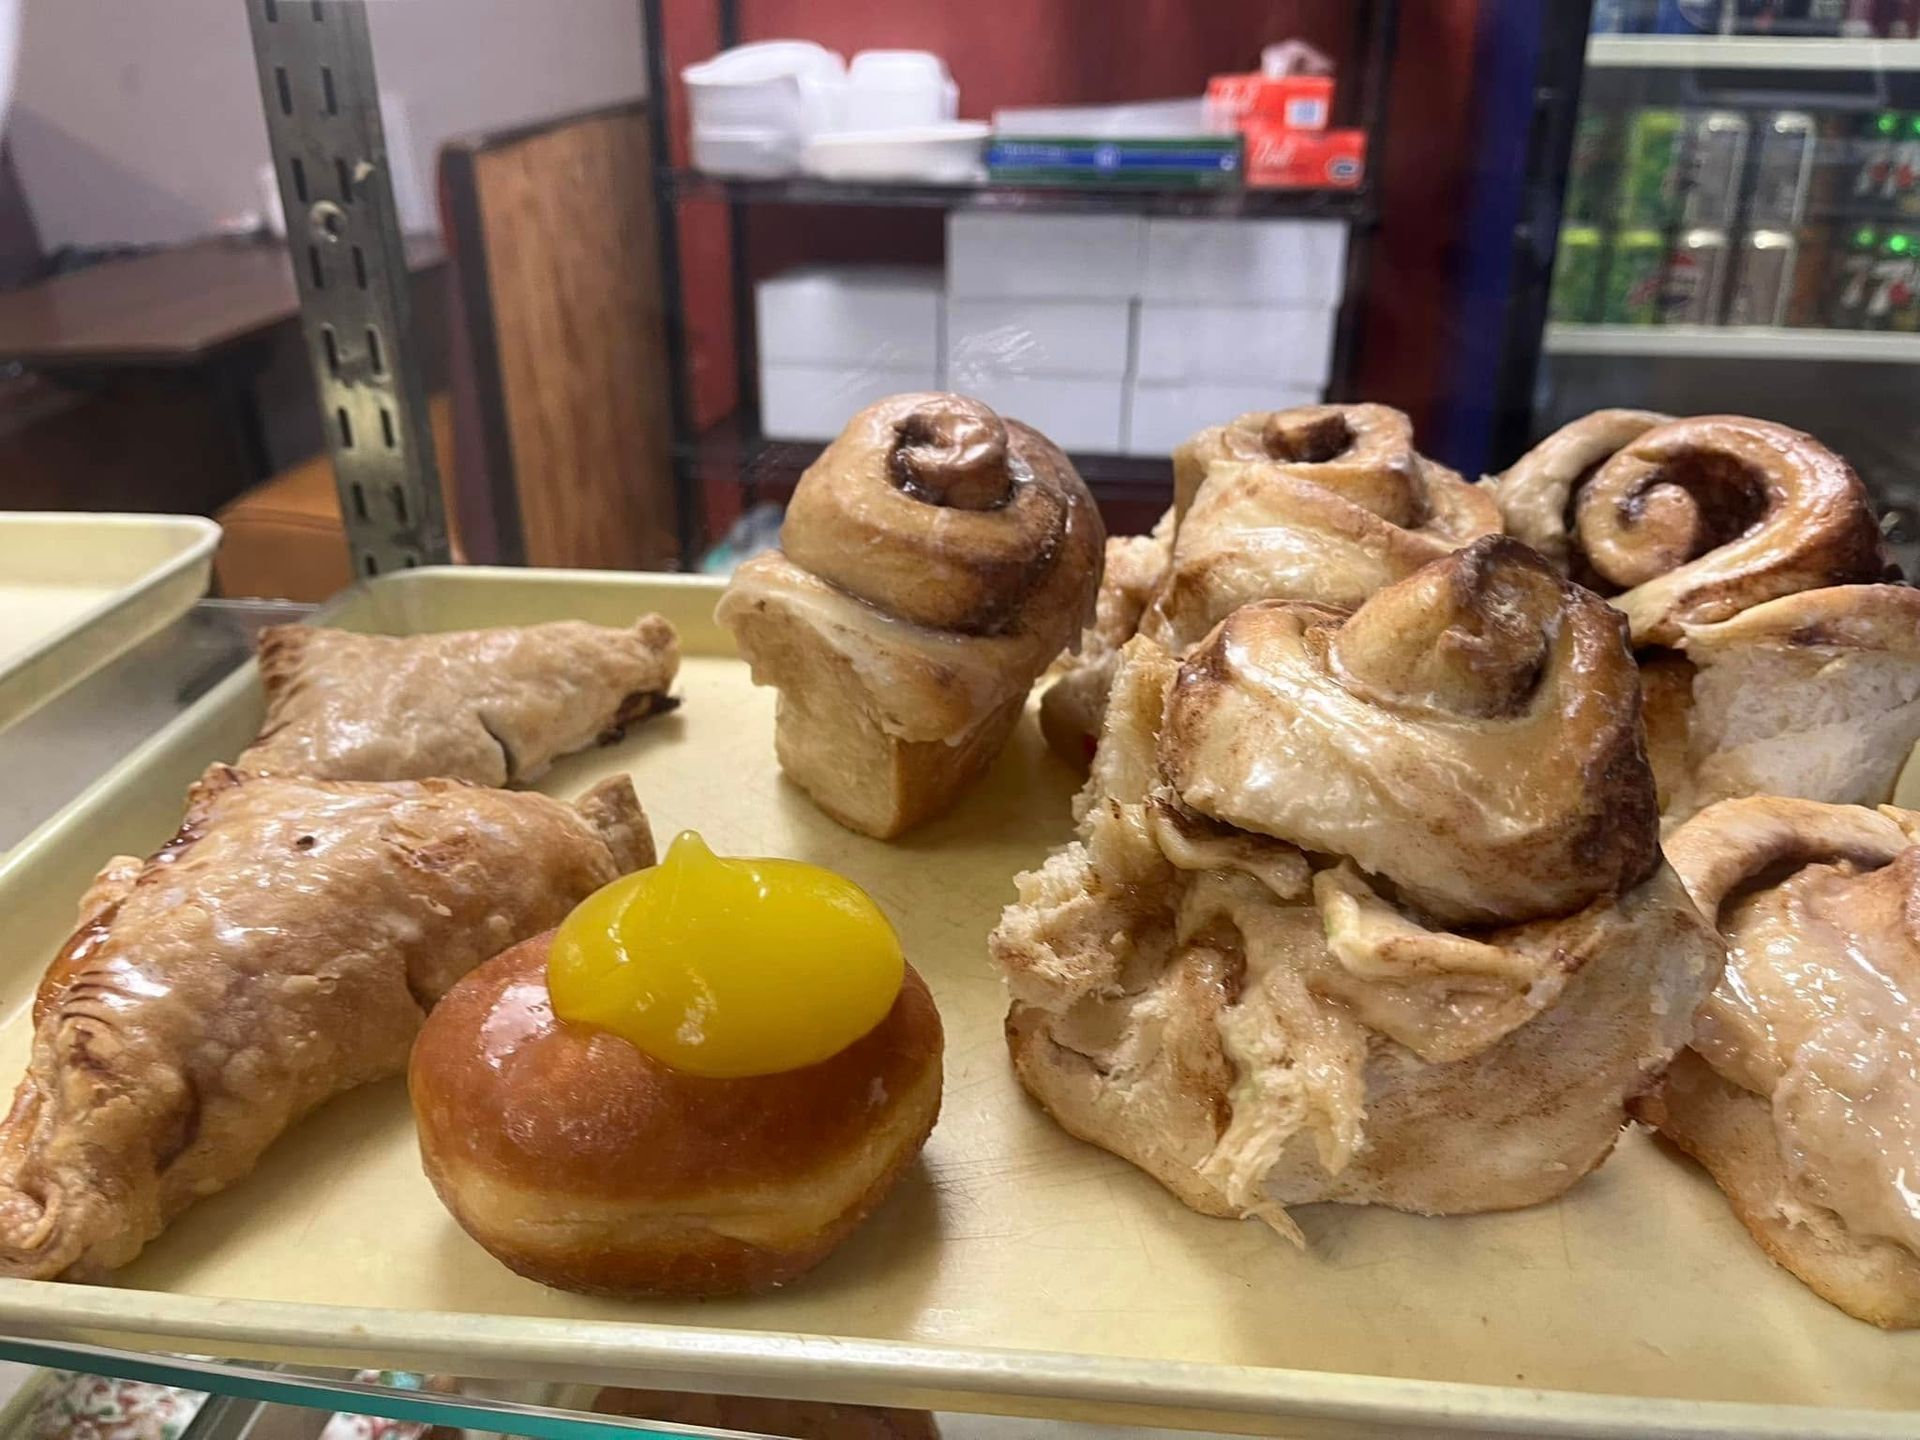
{"type": "Point", "coordinates": [496, 707]}
{"type": "Point", "coordinates": [933, 562]}
{"type": "Point", "coordinates": [282, 948]}
{"type": "Point", "coordinates": [1365, 907]}
{"type": "Point", "coordinates": [1322, 502]}
{"type": "Point", "coordinates": [1801, 1090]}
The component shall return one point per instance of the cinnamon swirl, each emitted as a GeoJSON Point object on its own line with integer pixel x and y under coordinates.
{"type": "Point", "coordinates": [1364, 908]}
{"type": "Point", "coordinates": [934, 560]}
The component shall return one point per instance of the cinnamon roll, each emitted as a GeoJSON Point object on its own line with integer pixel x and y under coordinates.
{"type": "Point", "coordinates": [1366, 908]}
{"type": "Point", "coordinates": [1800, 1093]}
{"type": "Point", "coordinates": [933, 561]}
{"type": "Point", "coordinates": [1324, 503]}
{"type": "Point", "coordinates": [1690, 521]}
{"type": "Point", "coordinates": [1815, 695]}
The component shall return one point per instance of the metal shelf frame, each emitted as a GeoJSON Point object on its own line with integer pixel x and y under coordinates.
{"type": "Point", "coordinates": [1735, 342]}
{"type": "Point", "coordinates": [1365, 73]}
{"type": "Point", "coordinates": [1749, 52]}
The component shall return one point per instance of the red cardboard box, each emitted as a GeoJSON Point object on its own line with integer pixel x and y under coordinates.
{"type": "Point", "coordinates": [1298, 102]}
{"type": "Point", "coordinates": [1280, 158]}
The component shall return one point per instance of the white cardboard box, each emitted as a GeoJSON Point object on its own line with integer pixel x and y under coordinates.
{"type": "Point", "coordinates": [1286, 344]}
{"type": "Point", "coordinates": [885, 316]}
{"type": "Point", "coordinates": [1054, 257]}
{"type": "Point", "coordinates": [1079, 413]}
{"type": "Point", "coordinates": [1160, 414]}
{"type": "Point", "coordinates": [1073, 338]}
{"type": "Point", "coordinates": [814, 402]}
{"type": "Point", "coordinates": [1297, 261]}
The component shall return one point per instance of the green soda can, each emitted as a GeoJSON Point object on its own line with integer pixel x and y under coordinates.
{"type": "Point", "coordinates": [1653, 167]}
{"type": "Point", "coordinates": [1575, 297]}
{"type": "Point", "coordinates": [1632, 295]}
{"type": "Point", "coordinates": [1590, 167]}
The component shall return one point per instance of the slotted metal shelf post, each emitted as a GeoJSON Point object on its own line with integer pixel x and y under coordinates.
{"type": "Point", "coordinates": [321, 99]}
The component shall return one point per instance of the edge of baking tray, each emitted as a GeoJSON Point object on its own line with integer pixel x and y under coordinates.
{"type": "Point", "coordinates": [1086, 1387]}
{"type": "Point", "coordinates": [119, 622]}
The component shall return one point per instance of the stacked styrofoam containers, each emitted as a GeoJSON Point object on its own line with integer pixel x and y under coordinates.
{"type": "Point", "coordinates": [1235, 315]}
{"type": "Point", "coordinates": [1039, 319]}
{"type": "Point", "coordinates": [834, 339]}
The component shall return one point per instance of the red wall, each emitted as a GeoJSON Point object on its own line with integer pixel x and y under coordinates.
{"type": "Point", "coordinates": [1022, 52]}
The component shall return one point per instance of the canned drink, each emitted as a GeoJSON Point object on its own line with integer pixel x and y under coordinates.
{"type": "Point", "coordinates": [1631, 293]}
{"type": "Point", "coordinates": [1862, 19]}
{"type": "Point", "coordinates": [1895, 301]}
{"type": "Point", "coordinates": [1575, 296]}
{"type": "Point", "coordinates": [1783, 170]}
{"type": "Point", "coordinates": [1716, 159]}
{"type": "Point", "coordinates": [1903, 20]}
{"type": "Point", "coordinates": [1696, 274]}
{"type": "Point", "coordinates": [1764, 284]}
{"type": "Point", "coordinates": [1853, 279]}
{"type": "Point", "coordinates": [1590, 168]}
{"type": "Point", "coordinates": [1653, 167]}
{"type": "Point", "coordinates": [1874, 157]}
{"type": "Point", "coordinates": [1688, 17]}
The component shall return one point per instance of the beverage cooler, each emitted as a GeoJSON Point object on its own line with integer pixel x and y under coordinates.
{"type": "Point", "coordinates": [1740, 228]}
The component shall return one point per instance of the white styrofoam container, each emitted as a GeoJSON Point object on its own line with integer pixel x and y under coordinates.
{"type": "Point", "coordinates": [1084, 413]}
{"type": "Point", "coordinates": [1161, 414]}
{"type": "Point", "coordinates": [1285, 344]}
{"type": "Point", "coordinates": [1053, 257]}
{"type": "Point", "coordinates": [814, 402]}
{"type": "Point", "coordinates": [876, 316]}
{"type": "Point", "coordinates": [1080, 338]}
{"type": "Point", "coordinates": [1297, 261]}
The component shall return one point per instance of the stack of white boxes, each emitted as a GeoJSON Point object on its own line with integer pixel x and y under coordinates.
{"type": "Point", "coordinates": [1235, 315]}
{"type": "Point", "coordinates": [1039, 320]}
{"type": "Point", "coordinates": [834, 339]}
{"type": "Point", "coordinates": [1112, 334]}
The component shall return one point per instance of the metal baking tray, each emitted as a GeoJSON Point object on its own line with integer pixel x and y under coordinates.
{"type": "Point", "coordinates": [1017, 1270]}
{"type": "Point", "coordinates": [77, 590]}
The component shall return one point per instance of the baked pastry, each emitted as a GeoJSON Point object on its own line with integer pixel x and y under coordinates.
{"type": "Point", "coordinates": [282, 948]}
{"type": "Point", "coordinates": [1367, 907]}
{"type": "Point", "coordinates": [1322, 502]}
{"type": "Point", "coordinates": [581, 1162]}
{"type": "Point", "coordinates": [1687, 522]}
{"type": "Point", "coordinates": [1801, 1091]}
{"type": "Point", "coordinates": [1815, 695]}
{"type": "Point", "coordinates": [753, 1415]}
{"type": "Point", "coordinates": [1075, 699]}
{"type": "Point", "coordinates": [933, 561]}
{"type": "Point", "coordinates": [496, 707]}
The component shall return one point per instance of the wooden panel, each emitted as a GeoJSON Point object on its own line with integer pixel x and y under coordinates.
{"type": "Point", "coordinates": [573, 280]}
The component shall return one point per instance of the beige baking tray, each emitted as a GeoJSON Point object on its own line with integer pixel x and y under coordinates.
{"type": "Point", "coordinates": [1017, 1270]}
{"type": "Point", "coordinates": [77, 590]}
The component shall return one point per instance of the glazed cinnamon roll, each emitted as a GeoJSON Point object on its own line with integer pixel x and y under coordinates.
{"type": "Point", "coordinates": [1325, 503]}
{"type": "Point", "coordinates": [1815, 695]}
{"type": "Point", "coordinates": [1366, 908]}
{"type": "Point", "coordinates": [934, 560]}
{"type": "Point", "coordinates": [1800, 1093]}
{"type": "Point", "coordinates": [1690, 521]}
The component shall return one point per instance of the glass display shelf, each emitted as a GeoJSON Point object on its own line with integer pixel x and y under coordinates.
{"type": "Point", "coordinates": [1750, 52]}
{"type": "Point", "coordinates": [1735, 342]}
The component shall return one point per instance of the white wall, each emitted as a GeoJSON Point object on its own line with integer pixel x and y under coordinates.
{"type": "Point", "coordinates": [139, 120]}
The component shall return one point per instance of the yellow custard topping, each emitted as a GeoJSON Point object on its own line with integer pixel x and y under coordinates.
{"type": "Point", "coordinates": [727, 967]}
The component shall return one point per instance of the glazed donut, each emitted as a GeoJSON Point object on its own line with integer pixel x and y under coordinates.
{"type": "Point", "coordinates": [581, 1162]}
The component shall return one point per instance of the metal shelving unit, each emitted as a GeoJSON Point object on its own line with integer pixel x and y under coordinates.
{"type": "Point", "coordinates": [736, 449]}
{"type": "Point", "coordinates": [1749, 52]}
{"type": "Point", "coordinates": [1734, 342]}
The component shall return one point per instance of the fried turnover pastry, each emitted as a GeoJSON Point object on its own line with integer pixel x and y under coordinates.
{"type": "Point", "coordinates": [1366, 907]}
{"type": "Point", "coordinates": [282, 948]}
{"type": "Point", "coordinates": [1323, 502]}
{"type": "Point", "coordinates": [1800, 1093]}
{"type": "Point", "coordinates": [1688, 522]}
{"type": "Point", "coordinates": [496, 707]}
{"type": "Point", "coordinates": [933, 562]}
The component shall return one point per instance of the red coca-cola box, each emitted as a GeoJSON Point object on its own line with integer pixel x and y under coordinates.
{"type": "Point", "coordinates": [1297, 102]}
{"type": "Point", "coordinates": [1281, 158]}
